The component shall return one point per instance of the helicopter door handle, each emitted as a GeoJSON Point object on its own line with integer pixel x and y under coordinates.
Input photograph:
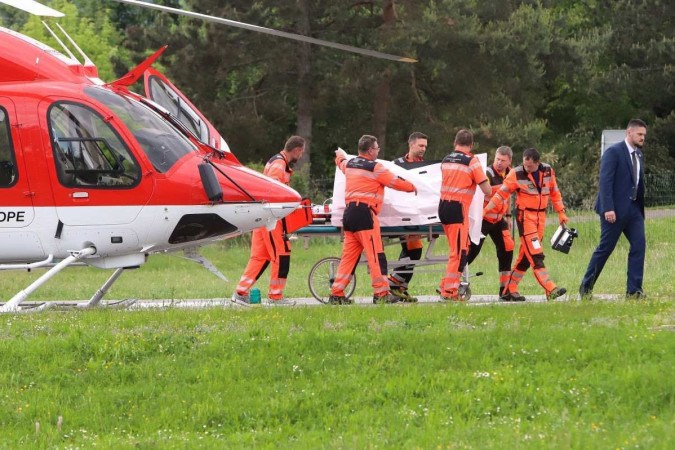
{"type": "Point", "coordinates": [80, 194]}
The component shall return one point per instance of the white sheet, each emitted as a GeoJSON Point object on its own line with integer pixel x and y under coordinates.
{"type": "Point", "coordinates": [403, 208]}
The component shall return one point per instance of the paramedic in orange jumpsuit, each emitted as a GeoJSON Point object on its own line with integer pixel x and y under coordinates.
{"type": "Point", "coordinates": [533, 182]}
{"type": "Point", "coordinates": [411, 245]}
{"type": "Point", "coordinates": [496, 224]}
{"type": "Point", "coordinates": [461, 173]}
{"type": "Point", "coordinates": [272, 246]}
{"type": "Point", "coordinates": [364, 194]}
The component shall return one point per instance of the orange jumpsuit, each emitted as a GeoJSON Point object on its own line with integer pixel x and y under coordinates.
{"type": "Point", "coordinates": [411, 246]}
{"type": "Point", "coordinates": [461, 172]}
{"type": "Point", "coordinates": [532, 196]}
{"type": "Point", "coordinates": [496, 226]}
{"type": "Point", "coordinates": [270, 246]}
{"type": "Point", "coordinates": [364, 193]}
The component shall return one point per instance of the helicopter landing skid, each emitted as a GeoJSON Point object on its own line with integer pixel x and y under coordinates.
{"type": "Point", "coordinates": [13, 304]}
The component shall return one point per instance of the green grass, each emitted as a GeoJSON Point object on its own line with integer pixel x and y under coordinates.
{"type": "Point", "coordinates": [560, 375]}
{"type": "Point", "coordinates": [556, 375]}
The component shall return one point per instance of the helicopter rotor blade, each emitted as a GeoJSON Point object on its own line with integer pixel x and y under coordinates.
{"type": "Point", "coordinates": [284, 34]}
{"type": "Point", "coordinates": [33, 7]}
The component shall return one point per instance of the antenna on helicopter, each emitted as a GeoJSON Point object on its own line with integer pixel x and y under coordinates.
{"type": "Point", "coordinates": [33, 7]}
{"type": "Point", "coordinates": [67, 50]}
{"type": "Point", "coordinates": [284, 34]}
{"type": "Point", "coordinates": [87, 62]}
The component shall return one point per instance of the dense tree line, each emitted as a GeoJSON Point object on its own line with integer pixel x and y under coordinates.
{"type": "Point", "coordinates": [549, 74]}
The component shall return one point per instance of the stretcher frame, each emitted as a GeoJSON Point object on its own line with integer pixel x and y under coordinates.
{"type": "Point", "coordinates": [322, 273]}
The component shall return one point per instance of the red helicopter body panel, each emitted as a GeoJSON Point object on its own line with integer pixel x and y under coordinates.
{"type": "Point", "coordinates": [89, 165]}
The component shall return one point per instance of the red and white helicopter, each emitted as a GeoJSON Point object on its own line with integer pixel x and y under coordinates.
{"type": "Point", "coordinates": [91, 172]}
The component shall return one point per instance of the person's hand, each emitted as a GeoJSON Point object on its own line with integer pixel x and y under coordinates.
{"type": "Point", "coordinates": [562, 218]}
{"type": "Point", "coordinates": [610, 216]}
{"type": "Point", "coordinates": [339, 153]}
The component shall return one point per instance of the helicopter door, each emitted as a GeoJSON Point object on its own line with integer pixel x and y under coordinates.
{"type": "Point", "coordinates": [160, 90]}
{"type": "Point", "coordinates": [16, 208]}
{"type": "Point", "coordinates": [96, 178]}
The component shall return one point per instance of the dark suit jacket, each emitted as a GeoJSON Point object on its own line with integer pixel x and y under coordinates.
{"type": "Point", "coordinates": [616, 181]}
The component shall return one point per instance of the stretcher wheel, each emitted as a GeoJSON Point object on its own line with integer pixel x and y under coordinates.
{"type": "Point", "coordinates": [321, 278]}
{"type": "Point", "coordinates": [464, 292]}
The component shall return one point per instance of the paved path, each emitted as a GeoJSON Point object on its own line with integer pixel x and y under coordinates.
{"type": "Point", "coordinates": [201, 303]}
{"type": "Point", "coordinates": [476, 300]}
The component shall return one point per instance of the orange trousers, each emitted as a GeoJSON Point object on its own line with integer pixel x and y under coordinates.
{"type": "Point", "coordinates": [268, 247]}
{"type": "Point", "coordinates": [454, 217]}
{"type": "Point", "coordinates": [356, 242]}
{"type": "Point", "coordinates": [531, 226]}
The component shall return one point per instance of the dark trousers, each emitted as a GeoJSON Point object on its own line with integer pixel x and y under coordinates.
{"type": "Point", "coordinates": [501, 236]}
{"type": "Point", "coordinates": [632, 225]}
{"type": "Point", "coordinates": [496, 233]}
{"type": "Point", "coordinates": [411, 247]}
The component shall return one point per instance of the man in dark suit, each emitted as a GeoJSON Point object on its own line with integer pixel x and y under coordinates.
{"type": "Point", "coordinates": [621, 206]}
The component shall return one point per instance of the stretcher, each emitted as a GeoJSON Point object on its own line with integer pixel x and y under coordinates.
{"type": "Point", "coordinates": [322, 273]}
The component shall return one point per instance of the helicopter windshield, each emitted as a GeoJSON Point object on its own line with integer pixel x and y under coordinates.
{"type": "Point", "coordinates": [162, 143]}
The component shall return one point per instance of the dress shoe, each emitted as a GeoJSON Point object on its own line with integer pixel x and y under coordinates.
{"type": "Point", "coordinates": [585, 293]}
{"type": "Point", "coordinates": [637, 295]}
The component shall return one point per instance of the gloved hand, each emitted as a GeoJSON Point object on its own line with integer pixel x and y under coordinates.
{"type": "Point", "coordinates": [339, 153]}
{"type": "Point", "coordinates": [562, 218]}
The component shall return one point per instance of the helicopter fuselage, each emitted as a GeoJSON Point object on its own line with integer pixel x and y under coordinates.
{"type": "Point", "coordinates": [85, 164]}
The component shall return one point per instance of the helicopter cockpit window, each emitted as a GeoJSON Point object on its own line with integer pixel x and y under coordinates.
{"type": "Point", "coordinates": [162, 93]}
{"type": "Point", "coordinates": [7, 162]}
{"type": "Point", "coordinates": [162, 143]}
{"type": "Point", "coordinates": [87, 151]}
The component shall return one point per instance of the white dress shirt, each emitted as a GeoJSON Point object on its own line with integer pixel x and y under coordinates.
{"type": "Point", "coordinates": [637, 158]}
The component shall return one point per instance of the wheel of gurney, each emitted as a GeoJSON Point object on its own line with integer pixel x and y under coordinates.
{"type": "Point", "coordinates": [464, 292]}
{"type": "Point", "coordinates": [321, 278]}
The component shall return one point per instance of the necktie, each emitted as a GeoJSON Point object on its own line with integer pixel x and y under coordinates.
{"type": "Point", "coordinates": [635, 172]}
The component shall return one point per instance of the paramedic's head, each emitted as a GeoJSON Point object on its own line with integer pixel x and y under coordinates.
{"type": "Point", "coordinates": [294, 148]}
{"type": "Point", "coordinates": [464, 138]}
{"type": "Point", "coordinates": [636, 132]}
{"type": "Point", "coordinates": [368, 146]}
{"type": "Point", "coordinates": [503, 157]}
{"type": "Point", "coordinates": [531, 160]}
{"type": "Point", "coordinates": [417, 145]}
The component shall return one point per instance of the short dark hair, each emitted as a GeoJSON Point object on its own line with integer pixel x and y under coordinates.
{"type": "Point", "coordinates": [294, 142]}
{"type": "Point", "coordinates": [415, 135]}
{"type": "Point", "coordinates": [464, 137]}
{"type": "Point", "coordinates": [366, 143]}
{"type": "Point", "coordinates": [531, 153]}
{"type": "Point", "coordinates": [636, 123]}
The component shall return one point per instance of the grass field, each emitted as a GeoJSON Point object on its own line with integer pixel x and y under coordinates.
{"type": "Point", "coordinates": [555, 375]}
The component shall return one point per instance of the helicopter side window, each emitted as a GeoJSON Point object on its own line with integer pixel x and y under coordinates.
{"type": "Point", "coordinates": [87, 151]}
{"type": "Point", "coordinates": [162, 93]}
{"type": "Point", "coordinates": [8, 173]}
